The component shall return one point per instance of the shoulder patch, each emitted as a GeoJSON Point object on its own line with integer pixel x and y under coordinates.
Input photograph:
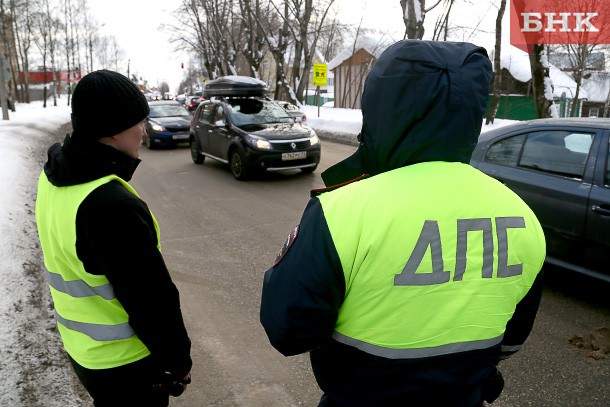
{"type": "Point", "coordinates": [291, 238]}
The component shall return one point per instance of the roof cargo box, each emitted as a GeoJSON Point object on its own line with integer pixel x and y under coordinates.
{"type": "Point", "coordinates": [234, 85]}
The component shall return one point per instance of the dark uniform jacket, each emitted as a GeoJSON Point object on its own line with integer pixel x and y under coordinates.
{"type": "Point", "coordinates": [116, 237]}
{"type": "Point", "coordinates": [422, 102]}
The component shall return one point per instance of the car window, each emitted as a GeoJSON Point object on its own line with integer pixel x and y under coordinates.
{"type": "Point", "coordinates": [559, 152]}
{"type": "Point", "coordinates": [506, 151]}
{"type": "Point", "coordinates": [206, 113]}
{"type": "Point", "coordinates": [168, 111]}
{"type": "Point", "coordinates": [246, 111]}
{"type": "Point", "coordinates": [219, 116]}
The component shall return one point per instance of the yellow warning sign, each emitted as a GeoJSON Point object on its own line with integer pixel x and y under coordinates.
{"type": "Point", "coordinates": [320, 73]}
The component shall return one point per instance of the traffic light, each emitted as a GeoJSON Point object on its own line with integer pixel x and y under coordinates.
{"type": "Point", "coordinates": [182, 65]}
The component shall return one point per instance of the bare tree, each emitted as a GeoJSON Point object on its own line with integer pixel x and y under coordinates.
{"type": "Point", "coordinates": [254, 44]}
{"type": "Point", "coordinates": [309, 25]}
{"type": "Point", "coordinates": [578, 57]}
{"type": "Point", "coordinates": [580, 47]}
{"type": "Point", "coordinates": [333, 37]}
{"type": "Point", "coordinates": [277, 37]}
{"type": "Point", "coordinates": [497, 81]}
{"type": "Point", "coordinates": [53, 25]}
{"type": "Point", "coordinates": [6, 32]}
{"type": "Point", "coordinates": [414, 14]}
{"type": "Point", "coordinates": [117, 55]}
{"type": "Point", "coordinates": [297, 31]}
{"type": "Point", "coordinates": [69, 44]}
{"type": "Point", "coordinates": [41, 33]}
{"type": "Point", "coordinates": [542, 86]}
{"type": "Point", "coordinates": [441, 27]}
{"type": "Point", "coordinates": [194, 36]}
{"type": "Point", "coordinates": [220, 22]}
{"type": "Point", "coordinates": [214, 33]}
{"type": "Point", "coordinates": [20, 13]}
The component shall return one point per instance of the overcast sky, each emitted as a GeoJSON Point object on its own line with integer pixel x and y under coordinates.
{"type": "Point", "coordinates": [136, 26]}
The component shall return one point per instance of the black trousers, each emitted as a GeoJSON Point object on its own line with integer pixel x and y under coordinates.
{"type": "Point", "coordinates": [129, 385]}
{"type": "Point", "coordinates": [472, 396]}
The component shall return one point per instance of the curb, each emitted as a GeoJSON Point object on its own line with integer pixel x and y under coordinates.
{"type": "Point", "coordinates": [343, 138]}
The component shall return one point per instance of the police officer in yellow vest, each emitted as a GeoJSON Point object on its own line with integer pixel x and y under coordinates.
{"type": "Point", "coordinates": [413, 274]}
{"type": "Point", "coordinates": [117, 309]}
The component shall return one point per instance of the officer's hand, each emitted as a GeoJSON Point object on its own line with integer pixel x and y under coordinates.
{"type": "Point", "coordinates": [179, 386]}
{"type": "Point", "coordinates": [186, 380]}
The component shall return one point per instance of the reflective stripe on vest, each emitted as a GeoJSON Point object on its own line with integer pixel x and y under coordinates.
{"type": "Point", "coordinates": [435, 257]}
{"type": "Point", "coordinates": [416, 353]}
{"type": "Point", "coordinates": [93, 324]}
{"type": "Point", "coordinates": [99, 332]}
{"type": "Point", "coordinates": [79, 288]}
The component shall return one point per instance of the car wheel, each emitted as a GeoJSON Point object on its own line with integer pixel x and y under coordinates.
{"type": "Point", "coordinates": [309, 170]}
{"type": "Point", "coordinates": [196, 155]}
{"type": "Point", "coordinates": [236, 162]}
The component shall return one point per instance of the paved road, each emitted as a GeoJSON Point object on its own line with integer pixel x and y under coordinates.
{"type": "Point", "coordinates": [219, 235]}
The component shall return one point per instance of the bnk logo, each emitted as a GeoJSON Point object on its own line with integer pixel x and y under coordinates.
{"type": "Point", "coordinates": [559, 22]}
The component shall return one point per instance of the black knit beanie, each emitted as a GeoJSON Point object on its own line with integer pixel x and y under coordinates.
{"type": "Point", "coordinates": [104, 104]}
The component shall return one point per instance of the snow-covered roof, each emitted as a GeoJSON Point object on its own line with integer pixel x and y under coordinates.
{"type": "Point", "coordinates": [518, 64]}
{"type": "Point", "coordinates": [373, 45]}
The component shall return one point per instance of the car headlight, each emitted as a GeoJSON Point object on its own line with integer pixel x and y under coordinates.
{"type": "Point", "coordinates": [157, 127]}
{"type": "Point", "coordinates": [313, 138]}
{"type": "Point", "coordinates": [258, 142]}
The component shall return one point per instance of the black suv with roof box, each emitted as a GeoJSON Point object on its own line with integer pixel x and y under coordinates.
{"type": "Point", "coordinates": [239, 126]}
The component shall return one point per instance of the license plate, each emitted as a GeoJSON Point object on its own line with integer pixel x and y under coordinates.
{"type": "Point", "coordinates": [294, 156]}
{"type": "Point", "coordinates": [180, 136]}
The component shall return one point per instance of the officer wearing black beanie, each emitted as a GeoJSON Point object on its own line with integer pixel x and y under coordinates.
{"type": "Point", "coordinates": [104, 104]}
{"type": "Point", "coordinates": [117, 309]}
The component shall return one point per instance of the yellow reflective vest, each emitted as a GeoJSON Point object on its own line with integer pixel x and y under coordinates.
{"type": "Point", "coordinates": [420, 280]}
{"type": "Point", "coordinates": [93, 325]}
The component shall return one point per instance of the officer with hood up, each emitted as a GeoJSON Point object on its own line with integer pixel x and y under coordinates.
{"type": "Point", "coordinates": [412, 274]}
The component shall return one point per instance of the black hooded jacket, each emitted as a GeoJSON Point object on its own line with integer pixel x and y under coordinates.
{"type": "Point", "coordinates": [423, 101]}
{"type": "Point", "coordinates": [420, 103]}
{"type": "Point", "coordinates": [116, 237]}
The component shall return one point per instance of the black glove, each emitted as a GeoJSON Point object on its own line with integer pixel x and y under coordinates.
{"type": "Point", "coordinates": [173, 386]}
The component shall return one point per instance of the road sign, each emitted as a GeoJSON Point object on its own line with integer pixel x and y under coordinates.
{"type": "Point", "coordinates": [320, 73]}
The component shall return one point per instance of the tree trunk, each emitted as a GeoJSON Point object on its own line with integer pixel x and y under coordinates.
{"type": "Point", "coordinates": [493, 106]}
{"type": "Point", "coordinates": [413, 18]}
{"type": "Point", "coordinates": [540, 73]}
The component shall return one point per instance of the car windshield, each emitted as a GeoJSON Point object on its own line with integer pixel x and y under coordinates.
{"type": "Point", "coordinates": [246, 112]}
{"type": "Point", "coordinates": [168, 111]}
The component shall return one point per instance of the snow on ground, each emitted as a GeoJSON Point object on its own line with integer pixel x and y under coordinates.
{"type": "Point", "coordinates": [346, 123]}
{"type": "Point", "coordinates": [33, 368]}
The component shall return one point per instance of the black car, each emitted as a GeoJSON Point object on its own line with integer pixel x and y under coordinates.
{"type": "Point", "coordinates": [192, 102]}
{"type": "Point", "coordinates": [168, 124]}
{"type": "Point", "coordinates": [561, 169]}
{"type": "Point", "coordinates": [240, 127]}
